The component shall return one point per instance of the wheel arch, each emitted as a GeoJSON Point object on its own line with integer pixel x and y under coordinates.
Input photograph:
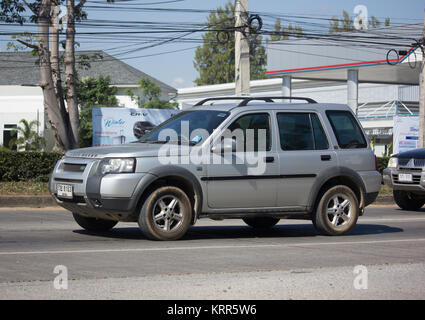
{"type": "Point", "coordinates": [339, 176]}
{"type": "Point", "coordinates": [173, 176]}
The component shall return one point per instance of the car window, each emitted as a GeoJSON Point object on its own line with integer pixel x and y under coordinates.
{"type": "Point", "coordinates": [301, 131]}
{"type": "Point", "coordinates": [346, 129]}
{"type": "Point", "coordinates": [320, 140]}
{"type": "Point", "coordinates": [255, 122]}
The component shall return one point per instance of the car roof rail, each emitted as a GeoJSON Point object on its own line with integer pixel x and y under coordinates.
{"type": "Point", "coordinates": [270, 99]}
{"type": "Point", "coordinates": [200, 103]}
{"type": "Point", "coordinates": [246, 100]}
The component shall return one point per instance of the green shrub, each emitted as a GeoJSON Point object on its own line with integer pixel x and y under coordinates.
{"type": "Point", "coordinates": [24, 166]}
{"type": "Point", "coordinates": [382, 163]}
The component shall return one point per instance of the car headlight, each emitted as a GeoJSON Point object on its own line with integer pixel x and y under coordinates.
{"type": "Point", "coordinates": [117, 165]}
{"type": "Point", "coordinates": [392, 163]}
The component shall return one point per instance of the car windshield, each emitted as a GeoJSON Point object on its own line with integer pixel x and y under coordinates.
{"type": "Point", "coordinates": [191, 127]}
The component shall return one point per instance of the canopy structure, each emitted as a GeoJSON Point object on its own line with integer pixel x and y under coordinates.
{"type": "Point", "coordinates": [390, 55]}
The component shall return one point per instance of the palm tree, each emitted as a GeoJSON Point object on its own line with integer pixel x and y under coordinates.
{"type": "Point", "coordinates": [28, 138]}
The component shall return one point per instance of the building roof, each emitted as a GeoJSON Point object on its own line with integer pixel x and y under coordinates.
{"type": "Point", "coordinates": [21, 68]}
{"type": "Point", "coordinates": [329, 56]}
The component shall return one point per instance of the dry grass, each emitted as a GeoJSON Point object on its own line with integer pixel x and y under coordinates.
{"type": "Point", "coordinates": [385, 191]}
{"type": "Point", "coordinates": [23, 188]}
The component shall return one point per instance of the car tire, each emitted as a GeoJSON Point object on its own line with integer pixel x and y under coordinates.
{"type": "Point", "coordinates": [406, 201]}
{"type": "Point", "coordinates": [94, 224]}
{"type": "Point", "coordinates": [261, 222]}
{"type": "Point", "coordinates": [337, 211]}
{"type": "Point", "coordinates": [166, 214]}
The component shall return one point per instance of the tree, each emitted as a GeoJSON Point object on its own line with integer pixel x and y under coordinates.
{"type": "Point", "coordinates": [28, 138]}
{"type": "Point", "coordinates": [93, 93]}
{"type": "Point", "coordinates": [150, 96]}
{"type": "Point", "coordinates": [387, 22]}
{"type": "Point", "coordinates": [374, 22]}
{"type": "Point", "coordinates": [215, 61]}
{"type": "Point", "coordinates": [341, 25]}
{"type": "Point", "coordinates": [276, 35]}
{"type": "Point", "coordinates": [64, 121]}
{"type": "Point", "coordinates": [346, 23]}
{"type": "Point", "coordinates": [282, 33]}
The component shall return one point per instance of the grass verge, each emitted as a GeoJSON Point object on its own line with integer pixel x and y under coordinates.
{"type": "Point", "coordinates": [24, 188]}
{"type": "Point", "coordinates": [385, 191]}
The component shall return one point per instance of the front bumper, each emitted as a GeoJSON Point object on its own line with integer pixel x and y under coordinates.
{"type": "Point", "coordinates": [111, 196]}
{"type": "Point", "coordinates": [390, 177]}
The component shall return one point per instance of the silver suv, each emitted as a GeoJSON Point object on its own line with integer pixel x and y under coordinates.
{"type": "Point", "coordinates": [258, 160]}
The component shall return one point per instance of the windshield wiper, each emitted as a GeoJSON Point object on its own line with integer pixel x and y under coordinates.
{"type": "Point", "coordinates": [180, 142]}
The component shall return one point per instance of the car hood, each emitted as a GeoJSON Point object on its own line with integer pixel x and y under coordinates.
{"type": "Point", "coordinates": [416, 154]}
{"type": "Point", "coordinates": [124, 151]}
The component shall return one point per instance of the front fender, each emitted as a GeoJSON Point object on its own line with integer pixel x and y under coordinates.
{"type": "Point", "coordinates": [184, 174]}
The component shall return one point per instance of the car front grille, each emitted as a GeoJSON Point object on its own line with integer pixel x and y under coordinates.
{"type": "Point", "coordinates": [415, 181]}
{"type": "Point", "coordinates": [73, 167]}
{"type": "Point", "coordinates": [410, 169]}
{"type": "Point", "coordinates": [419, 162]}
{"type": "Point", "coordinates": [403, 161]}
{"type": "Point", "coordinates": [411, 162]}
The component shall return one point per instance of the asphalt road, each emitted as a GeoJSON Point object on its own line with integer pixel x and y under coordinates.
{"type": "Point", "coordinates": [383, 258]}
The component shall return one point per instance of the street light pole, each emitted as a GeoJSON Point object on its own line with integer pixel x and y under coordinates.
{"type": "Point", "coordinates": [242, 72]}
{"type": "Point", "coordinates": [421, 142]}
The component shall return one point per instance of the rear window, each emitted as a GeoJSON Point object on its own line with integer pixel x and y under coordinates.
{"type": "Point", "coordinates": [346, 129]}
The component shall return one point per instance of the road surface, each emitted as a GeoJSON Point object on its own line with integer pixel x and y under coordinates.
{"type": "Point", "coordinates": [44, 254]}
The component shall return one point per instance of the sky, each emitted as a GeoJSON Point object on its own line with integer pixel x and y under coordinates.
{"type": "Point", "coordinates": [172, 61]}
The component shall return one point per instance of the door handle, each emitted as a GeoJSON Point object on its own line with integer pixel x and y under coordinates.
{"type": "Point", "coordinates": [325, 157]}
{"type": "Point", "coordinates": [269, 159]}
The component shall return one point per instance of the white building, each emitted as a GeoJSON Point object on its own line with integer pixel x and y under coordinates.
{"type": "Point", "coordinates": [22, 98]}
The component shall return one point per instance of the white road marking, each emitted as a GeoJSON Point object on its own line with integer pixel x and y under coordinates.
{"type": "Point", "coordinates": [303, 244]}
{"type": "Point", "coordinates": [390, 219]}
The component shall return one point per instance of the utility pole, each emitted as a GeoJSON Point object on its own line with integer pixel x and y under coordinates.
{"type": "Point", "coordinates": [421, 142]}
{"type": "Point", "coordinates": [242, 72]}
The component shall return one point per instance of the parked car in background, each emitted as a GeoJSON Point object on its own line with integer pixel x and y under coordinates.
{"type": "Point", "coordinates": [404, 175]}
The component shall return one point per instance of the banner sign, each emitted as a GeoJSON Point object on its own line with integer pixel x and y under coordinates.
{"type": "Point", "coordinates": [124, 125]}
{"type": "Point", "coordinates": [405, 133]}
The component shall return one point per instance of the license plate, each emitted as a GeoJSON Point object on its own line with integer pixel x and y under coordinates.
{"type": "Point", "coordinates": [405, 177]}
{"type": "Point", "coordinates": [64, 191]}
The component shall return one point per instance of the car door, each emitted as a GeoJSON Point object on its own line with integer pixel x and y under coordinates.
{"type": "Point", "coordinates": [246, 184]}
{"type": "Point", "coordinates": [304, 152]}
